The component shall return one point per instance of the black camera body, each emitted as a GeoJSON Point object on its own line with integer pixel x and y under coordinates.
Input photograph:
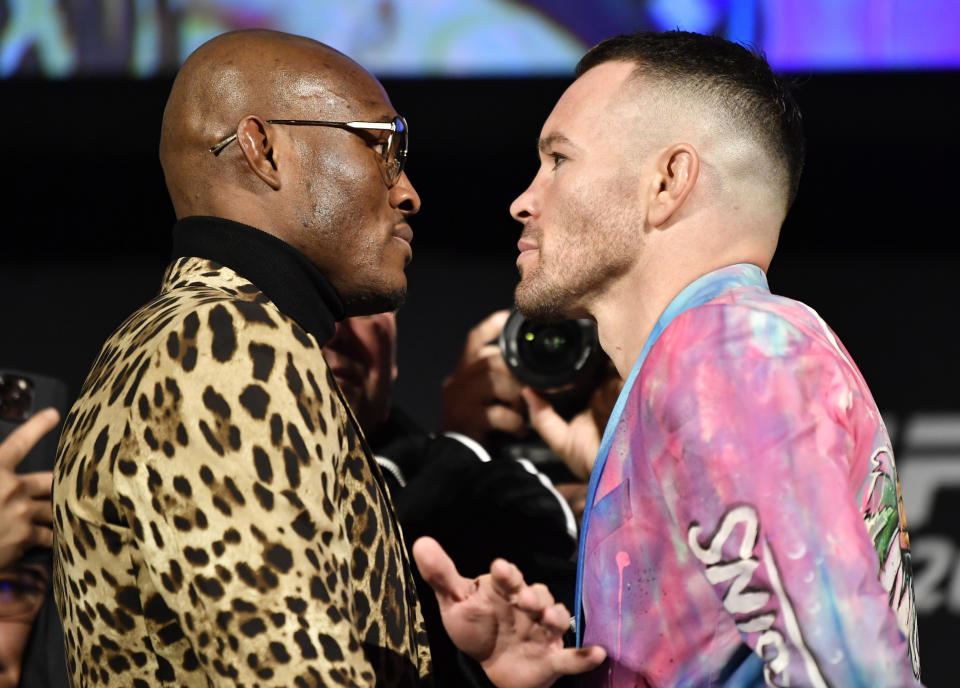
{"type": "Point", "coordinates": [560, 360]}
{"type": "Point", "coordinates": [21, 395]}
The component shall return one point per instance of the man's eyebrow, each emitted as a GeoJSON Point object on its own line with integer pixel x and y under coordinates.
{"type": "Point", "coordinates": [545, 143]}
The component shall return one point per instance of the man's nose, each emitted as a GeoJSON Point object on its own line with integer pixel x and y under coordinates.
{"type": "Point", "coordinates": [525, 205]}
{"type": "Point", "coordinates": [404, 197]}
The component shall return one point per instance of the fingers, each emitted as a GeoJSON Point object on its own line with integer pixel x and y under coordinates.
{"type": "Point", "coordinates": [557, 618]}
{"type": "Point", "coordinates": [37, 485]}
{"type": "Point", "coordinates": [505, 419]}
{"type": "Point", "coordinates": [482, 396]}
{"type": "Point", "coordinates": [538, 602]}
{"type": "Point", "coordinates": [484, 333]}
{"type": "Point", "coordinates": [506, 578]}
{"type": "Point", "coordinates": [534, 598]}
{"type": "Point", "coordinates": [439, 571]}
{"type": "Point", "coordinates": [40, 536]}
{"type": "Point", "coordinates": [554, 430]}
{"type": "Point", "coordinates": [504, 386]}
{"type": "Point", "coordinates": [486, 377]}
{"type": "Point", "coordinates": [19, 442]}
{"type": "Point", "coordinates": [41, 511]}
{"type": "Point", "coordinates": [578, 660]}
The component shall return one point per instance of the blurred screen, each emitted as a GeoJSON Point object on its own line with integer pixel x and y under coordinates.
{"type": "Point", "coordinates": [145, 38]}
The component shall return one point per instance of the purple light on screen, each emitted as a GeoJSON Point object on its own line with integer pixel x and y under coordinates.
{"type": "Point", "coordinates": [862, 34]}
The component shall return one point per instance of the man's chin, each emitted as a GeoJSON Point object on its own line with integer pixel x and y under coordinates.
{"type": "Point", "coordinates": [368, 303]}
{"type": "Point", "coordinates": [539, 306]}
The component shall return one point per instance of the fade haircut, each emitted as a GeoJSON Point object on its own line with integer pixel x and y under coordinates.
{"type": "Point", "coordinates": [729, 75]}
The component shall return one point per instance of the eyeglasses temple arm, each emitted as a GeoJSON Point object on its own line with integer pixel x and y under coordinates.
{"type": "Point", "coordinates": [223, 144]}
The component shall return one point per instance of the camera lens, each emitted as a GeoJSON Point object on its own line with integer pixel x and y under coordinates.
{"type": "Point", "coordinates": [549, 356]}
{"type": "Point", "coordinates": [549, 349]}
{"type": "Point", "coordinates": [16, 397]}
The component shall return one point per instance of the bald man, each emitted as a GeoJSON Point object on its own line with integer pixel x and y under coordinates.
{"type": "Point", "coordinates": [744, 523]}
{"type": "Point", "coordinates": [218, 517]}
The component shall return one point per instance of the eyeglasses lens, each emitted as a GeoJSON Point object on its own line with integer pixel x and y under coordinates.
{"type": "Point", "coordinates": [397, 150]}
{"type": "Point", "coordinates": [20, 593]}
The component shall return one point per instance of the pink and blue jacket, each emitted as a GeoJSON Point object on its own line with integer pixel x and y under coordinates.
{"type": "Point", "coordinates": [745, 525]}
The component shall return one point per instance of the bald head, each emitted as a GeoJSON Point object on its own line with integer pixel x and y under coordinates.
{"type": "Point", "coordinates": [326, 190]}
{"type": "Point", "coordinates": [267, 73]}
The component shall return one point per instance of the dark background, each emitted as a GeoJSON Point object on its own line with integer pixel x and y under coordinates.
{"type": "Point", "coordinates": [870, 243]}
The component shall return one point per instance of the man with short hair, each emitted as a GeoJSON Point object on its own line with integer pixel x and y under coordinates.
{"type": "Point", "coordinates": [744, 524]}
{"type": "Point", "coordinates": [219, 518]}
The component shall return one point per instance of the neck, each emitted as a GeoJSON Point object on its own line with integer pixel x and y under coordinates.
{"type": "Point", "coordinates": [627, 312]}
{"type": "Point", "coordinates": [672, 258]}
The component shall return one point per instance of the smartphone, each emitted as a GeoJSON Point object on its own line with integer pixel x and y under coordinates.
{"type": "Point", "coordinates": [21, 395]}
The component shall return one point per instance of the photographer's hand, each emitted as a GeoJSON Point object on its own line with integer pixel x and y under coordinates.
{"type": "Point", "coordinates": [25, 509]}
{"type": "Point", "coordinates": [577, 441]}
{"type": "Point", "coordinates": [514, 630]}
{"type": "Point", "coordinates": [481, 396]}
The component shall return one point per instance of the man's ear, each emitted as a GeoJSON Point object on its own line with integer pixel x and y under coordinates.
{"type": "Point", "coordinates": [257, 146]}
{"type": "Point", "coordinates": [674, 178]}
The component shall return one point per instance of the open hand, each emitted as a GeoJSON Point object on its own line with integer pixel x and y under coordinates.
{"type": "Point", "coordinates": [25, 509]}
{"type": "Point", "coordinates": [514, 630]}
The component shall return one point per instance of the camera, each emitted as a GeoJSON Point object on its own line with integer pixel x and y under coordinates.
{"type": "Point", "coordinates": [16, 397]}
{"type": "Point", "coordinates": [560, 360]}
{"type": "Point", "coordinates": [21, 395]}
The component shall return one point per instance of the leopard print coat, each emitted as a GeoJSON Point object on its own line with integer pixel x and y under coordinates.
{"type": "Point", "coordinates": [219, 520]}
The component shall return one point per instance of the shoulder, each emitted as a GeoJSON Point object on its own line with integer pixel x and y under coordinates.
{"type": "Point", "coordinates": [208, 343]}
{"type": "Point", "coordinates": [744, 325]}
{"type": "Point", "coordinates": [208, 315]}
{"type": "Point", "coordinates": [742, 356]}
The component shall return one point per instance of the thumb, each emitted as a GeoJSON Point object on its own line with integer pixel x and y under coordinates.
{"type": "Point", "coordinates": [439, 571]}
{"type": "Point", "coordinates": [484, 333]}
{"type": "Point", "coordinates": [551, 427]}
{"type": "Point", "coordinates": [578, 660]}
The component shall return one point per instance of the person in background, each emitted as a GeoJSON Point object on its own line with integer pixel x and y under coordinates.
{"type": "Point", "coordinates": [25, 497]}
{"type": "Point", "coordinates": [31, 642]}
{"type": "Point", "coordinates": [451, 486]}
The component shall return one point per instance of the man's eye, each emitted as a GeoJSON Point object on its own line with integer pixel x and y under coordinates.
{"type": "Point", "coordinates": [15, 589]}
{"type": "Point", "coordinates": [557, 159]}
{"type": "Point", "coordinates": [379, 146]}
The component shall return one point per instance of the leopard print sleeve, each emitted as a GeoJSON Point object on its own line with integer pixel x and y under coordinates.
{"type": "Point", "coordinates": [249, 540]}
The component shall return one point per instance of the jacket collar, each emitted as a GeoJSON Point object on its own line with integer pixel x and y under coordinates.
{"type": "Point", "coordinates": [287, 277]}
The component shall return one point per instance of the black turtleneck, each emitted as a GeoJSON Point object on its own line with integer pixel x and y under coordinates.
{"type": "Point", "coordinates": [287, 277]}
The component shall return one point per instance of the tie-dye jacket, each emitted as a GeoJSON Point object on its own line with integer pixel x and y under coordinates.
{"type": "Point", "coordinates": [746, 523]}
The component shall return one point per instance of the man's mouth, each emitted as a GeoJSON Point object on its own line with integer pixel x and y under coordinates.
{"type": "Point", "coordinates": [525, 245]}
{"type": "Point", "coordinates": [402, 231]}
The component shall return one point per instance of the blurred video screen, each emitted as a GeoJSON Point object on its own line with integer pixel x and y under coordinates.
{"type": "Point", "coordinates": [413, 38]}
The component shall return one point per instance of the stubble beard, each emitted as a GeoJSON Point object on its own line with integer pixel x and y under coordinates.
{"type": "Point", "coordinates": [541, 298]}
{"type": "Point", "coordinates": [378, 292]}
{"type": "Point", "coordinates": [373, 301]}
{"type": "Point", "coordinates": [595, 246]}
{"type": "Point", "coordinates": [330, 219]}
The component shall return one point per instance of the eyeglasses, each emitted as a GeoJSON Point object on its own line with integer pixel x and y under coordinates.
{"type": "Point", "coordinates": [393, 151]}
{"type": "Point", "coordinates": [22, 590]}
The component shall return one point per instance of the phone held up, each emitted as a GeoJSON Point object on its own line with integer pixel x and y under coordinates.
{"type": "Point", "coordinates": [21, 395]}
